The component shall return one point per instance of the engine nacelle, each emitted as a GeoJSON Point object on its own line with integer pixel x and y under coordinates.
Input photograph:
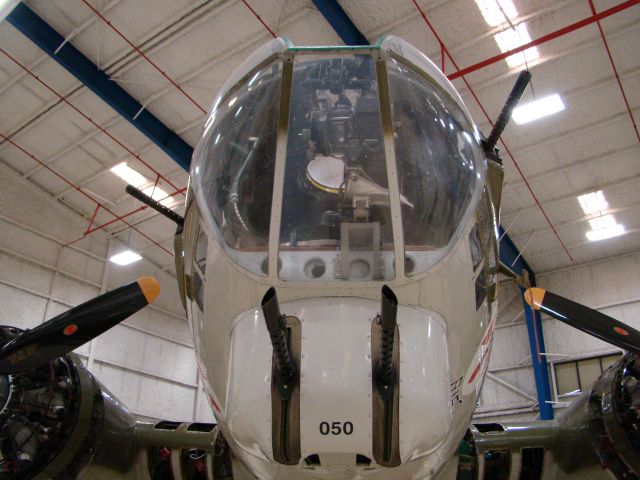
{"type": "Point", "coordinates": [599, 431]}
{"type": "Point", "coordinates": [59, 421]}
{"type": "Point", "coordinates": [51, 418]}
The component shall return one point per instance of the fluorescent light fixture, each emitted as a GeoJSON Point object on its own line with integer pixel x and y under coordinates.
{"type": "Point", "coordinates": [497, 12]}
{"type": "Point", "coordinates": [537, 109]}
{"type": "Point", "coordinates": [604, 226]}
{"type": "Point", "coordinates": [6, 7]}
{"type": "Point", "coordinates": [513, 38]}
{"type": "Point", "coordinates": [603, 221]}
{"type": "Point", "coordinates": [606, 232]}
{"type": "Point", "coordinates": [129, 175]}
{"type": "Point", "coordinates": [125, 258]}
{"type": "Point", "coordinates": [593, 202]}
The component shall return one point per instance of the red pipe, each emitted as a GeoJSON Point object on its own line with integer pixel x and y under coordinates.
{"type": "Point", "coordinates": [141, 53]}
{"type": "Point", "coordinates": [110, 222]}
{"type": "Point", "coordinates": [615, 71]}
{"type": "Point", "coordinates": [259, 19]}
{"type": "Point", "coordinates": [545, 38]}
{"type": "Point", "coordinates": [455, 64]}
{"type": "Point", "coordinates": [82, 192]}
{"type": "Point", "coordinates": [93, 217]}
{"type": "Point", "coordinates": [139, 209]}
{"type": "Point", "coordinates": [102, 129]}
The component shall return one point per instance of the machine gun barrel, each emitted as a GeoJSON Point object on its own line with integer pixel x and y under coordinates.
{"type": "Point", "coordinates": [505, 114]}
{"type": "Point", "coordinates": [388, 314]}
{"type": "Point", "coordinates": [277, 332]}
{"type": "Point", "coordinates": [157, 206]}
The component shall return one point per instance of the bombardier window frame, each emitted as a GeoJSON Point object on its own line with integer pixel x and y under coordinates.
{"type": "Point", "coordinates": [269, 264]}
{"type": "Point", "coordinates": [323, 256]}
{"type": "Point", "coordinates": [432, 256]}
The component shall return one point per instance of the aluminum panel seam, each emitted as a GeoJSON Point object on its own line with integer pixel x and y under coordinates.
{"type": "Point", "coordinates": [44, 36]}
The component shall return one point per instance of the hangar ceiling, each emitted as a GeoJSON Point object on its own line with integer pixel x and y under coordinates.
{"type": "Point", "coordinates": [172, 57]}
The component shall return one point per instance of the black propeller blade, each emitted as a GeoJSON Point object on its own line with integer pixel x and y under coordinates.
{"type": "Point", "coordinates": [584, 318]}
{"type": "Point", "coordinates": [75, 327]}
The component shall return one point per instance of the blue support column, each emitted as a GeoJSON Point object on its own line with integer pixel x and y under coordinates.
{"type": "Point", "coordinates": [508, 255]}
{"type": "Point", "coordinates": [45, 37]}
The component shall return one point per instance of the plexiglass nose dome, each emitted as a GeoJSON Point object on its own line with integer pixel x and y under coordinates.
{"type": "Point", "coordinates": [332, 162]}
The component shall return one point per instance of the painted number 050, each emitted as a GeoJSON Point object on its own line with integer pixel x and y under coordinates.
{"type": "Point", "coordinates": [336, 428]}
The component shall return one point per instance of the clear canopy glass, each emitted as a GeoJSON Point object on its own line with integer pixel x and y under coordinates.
{"type": "Point", "coordinates": [234, 167]}
{"type": "Point", "coordinates": [376, 160]}
{"type": "Point", "coordinates": [336, 221]}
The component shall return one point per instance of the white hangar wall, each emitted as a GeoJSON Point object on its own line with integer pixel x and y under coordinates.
{"type": "Point", "coordinates": [611, 286]}
{"type": "Point", "coordinates": [148, 362]}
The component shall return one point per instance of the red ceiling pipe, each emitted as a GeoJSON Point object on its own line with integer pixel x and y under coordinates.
{"type": "Point", "coordinates": [141, 53]}
{"type": "Point", "coordinates": [615, 71]}
{"type": "Point", "coordinates": [139, 209]}
{"type": "Point", "coordinates": [259, 19]}
{"type": "Point", "coordinates": [102, 129]}
{"type": "Point", "coordinates": [85, 194]}
{"type": "Point", "coordinates": [455, 64]}
{"type": "Point", "coordinates": [545, 38]}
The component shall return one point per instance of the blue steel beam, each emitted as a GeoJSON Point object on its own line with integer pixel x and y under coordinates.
{"type": "Point", "coordinates": [342, 24]}
{"type": "Point", "coordinates": [510, 256]}
{"type": "Point", "coordinates": [45, 37]}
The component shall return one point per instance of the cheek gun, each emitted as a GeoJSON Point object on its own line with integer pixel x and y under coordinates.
{"type": "Point", "coordinates": [284, 333]}
{"type": "Point", "coordinates": [385, 374]}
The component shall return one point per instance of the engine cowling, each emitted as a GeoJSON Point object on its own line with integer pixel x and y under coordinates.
{"type": "Point", "coordinates": [58, 421]}
{"type": "Point", "coordinates": [599, 431]}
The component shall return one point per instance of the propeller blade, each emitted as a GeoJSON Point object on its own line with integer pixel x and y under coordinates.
{"type": "Point", "coordinates": [76, 327]}
{"type": "Point", "coordinates": [584, 318]}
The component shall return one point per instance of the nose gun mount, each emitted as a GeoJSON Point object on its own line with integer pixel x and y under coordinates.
{"type": "Point", "coordinates": [385, 374]}
{"type": "Point", "coordinates": [285, 336]}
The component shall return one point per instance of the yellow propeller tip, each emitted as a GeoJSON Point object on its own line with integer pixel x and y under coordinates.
{"type": "Point", "coordinates": [534, 297]}
{"type": "Point", "coordinates": [150, 288]}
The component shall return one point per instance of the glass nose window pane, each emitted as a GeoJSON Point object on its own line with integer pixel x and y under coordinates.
{"type": "Point", "coordinates": [438, 157]}
{"type": "Point", "coordinates": [336, 221]}
{"type": "Point", "coordinates": [234, 168]}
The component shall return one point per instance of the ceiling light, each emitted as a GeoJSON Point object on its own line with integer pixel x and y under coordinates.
{"type": "Point", "coordinates": [603, 221]}
{"type": "Point", "coordinates": [607, 232]}
{"type": "Point", "coordinates": [513, 38]}
{"type": "Point", "coordinates": [125, 258]}
{"type": "Point", "coordinates": [537, 109]}
{"type": "Point", "coordinates": [497, 12]}
{"type": "Point", "coordinates": [593, 202]}
{"type": "Point", "coordinates": [6, 7]}
{"type": "Point", "coordinates": [604, 226]}
{"type": "Point", "coordinates": [129, 175]}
